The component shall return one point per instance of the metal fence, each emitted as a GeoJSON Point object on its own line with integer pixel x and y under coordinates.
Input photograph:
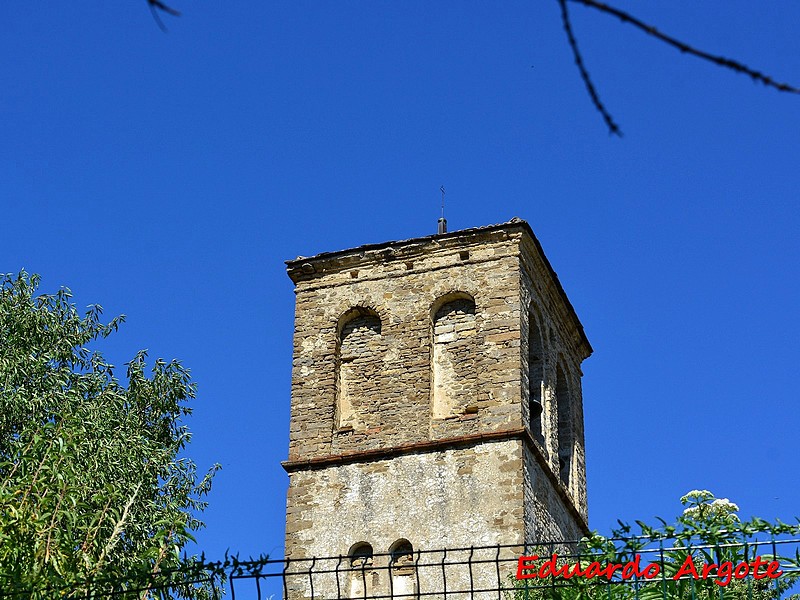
{"type": "Point", "coordinates": [479, 572]}
{"type": "Point", "coordinates": [490, 572]}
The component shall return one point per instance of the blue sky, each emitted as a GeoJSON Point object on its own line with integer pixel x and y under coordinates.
{"type": "Point", "coordinates": [168, 176]}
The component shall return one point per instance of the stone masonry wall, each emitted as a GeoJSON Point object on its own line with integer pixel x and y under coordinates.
{"type": "Point", "coordinates": [561, 347]}
{"type": "Point", "coordinates": [359, 360]}
{"type": "Point", "coordinates": [390, 401]}
{"type": "Point", "coordinates": [454, 498]}
{"type": "Point", "coordinates": [547, 514]}
{"type": "Point", "coordinates": [455, 377]}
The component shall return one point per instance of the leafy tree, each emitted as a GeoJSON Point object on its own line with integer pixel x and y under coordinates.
{"type": "Point", "coordinates": [707, 532]}
{"type": "Point", "coordinates": [95, 494]}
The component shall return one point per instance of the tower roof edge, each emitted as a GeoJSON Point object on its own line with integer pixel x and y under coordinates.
{"type": "Point", "coordinates": [303, 268]}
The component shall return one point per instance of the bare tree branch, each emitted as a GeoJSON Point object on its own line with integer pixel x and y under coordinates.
{"type": "Point", "coordinates": [613, 128]}
{"type": "Point", "coordinates": [671, 41]}
{"type": "Point", "coordinates": [686, 48]}
{"type": "Point", "coordinates": [155, 6]}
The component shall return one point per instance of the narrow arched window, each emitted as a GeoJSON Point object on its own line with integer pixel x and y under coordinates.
{"type": "Point", "coordinates": [361, 571]}
{"type": "Point", "coordinates": [359, 363]}
{"type": "Point", "coordinates": [454, 368]}
{"type": "Point", "coordinates": [535, 378]}
{"type": "Point", "coordinates": [564, 408]}
{"type": "Point", "coordinates": [401, 565]}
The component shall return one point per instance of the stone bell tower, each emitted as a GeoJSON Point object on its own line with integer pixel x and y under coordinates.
{"type": "Point", "coordinates": [436, 398]}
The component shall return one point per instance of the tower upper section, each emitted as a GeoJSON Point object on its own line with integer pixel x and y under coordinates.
{"type": "Point", "coordinates": [408, 345]}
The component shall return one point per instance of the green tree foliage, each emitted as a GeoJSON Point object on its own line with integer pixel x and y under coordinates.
{"type": "Point", "coordinates": [708, 532]}
{"type": "Point", "coordinates": [95, 494]}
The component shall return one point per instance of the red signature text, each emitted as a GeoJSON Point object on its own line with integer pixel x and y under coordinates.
{"type": "Point", "coordinates": [723, 573]}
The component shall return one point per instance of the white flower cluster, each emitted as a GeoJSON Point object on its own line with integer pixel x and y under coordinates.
{"type": "Point", "coordinates": [718, 507]}
{"type": "Point", "coordinates": [696, 496]}
{"type": "Point", "coordinates": [723, 504]}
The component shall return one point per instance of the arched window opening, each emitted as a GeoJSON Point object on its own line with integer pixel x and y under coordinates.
{"type": "Point", "coordinates": [362, 574]}
{"type": "Point", "coordinates": [454, 367]}
{"type": "Point", "coordinates": [401, 564]}
{"type": "Point", "coordinates": [563, 403]}
{"type": "Point", "coordinates": [358, 365]}
{"type": "Point", "coordinates": [535, 378]}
